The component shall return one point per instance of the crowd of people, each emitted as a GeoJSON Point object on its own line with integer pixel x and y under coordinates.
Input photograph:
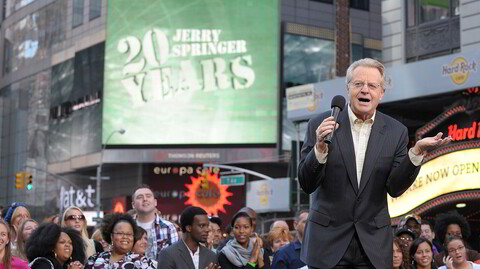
{"type": "Point", "coordinates": [420, 245]}
{"type": "Point", "coordinates": [141, 239]}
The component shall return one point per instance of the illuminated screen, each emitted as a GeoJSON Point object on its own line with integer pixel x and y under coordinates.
{"type": "Point", "coordinates": [191, 72]}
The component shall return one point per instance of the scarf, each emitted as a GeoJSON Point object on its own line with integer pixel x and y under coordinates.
{"type": "Point", "coordinates": [238, 255]}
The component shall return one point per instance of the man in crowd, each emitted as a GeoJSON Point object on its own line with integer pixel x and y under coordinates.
{"type": "Point", "coordinates": [215, 231]}
{"type": "Point", "coordinates": [279, 224]}
{"type": "Point", "coordinates": [288, 257]}
{"type": "Point", "coordinates": [349, 177]}
{"type": "Point", "coordinates": [412, 222]}
{"type": "Point", "coordinates": [161, 233]}
{"type": "Point", "coordinates": [188, 253]}
{"type": "Point", "coordinates": [428, 233]}
{"type": "Point", "coordinates": [406, 236]}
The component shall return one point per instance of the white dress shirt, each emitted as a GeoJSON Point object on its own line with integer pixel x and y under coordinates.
{"type": "Point", "coordinates": [195, 256]}
{"type": "Point", "coordinates": [361, 133]}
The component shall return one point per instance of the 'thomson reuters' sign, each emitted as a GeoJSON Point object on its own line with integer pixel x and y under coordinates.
{"type": "Point", "coordinates": [456, 171]}
{"type": "Point", "coordinates": [191, 72]}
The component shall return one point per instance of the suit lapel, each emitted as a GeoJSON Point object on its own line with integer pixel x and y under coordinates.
{"type": "Point", "coordinates": [375, 144]}
{"type": "Point", "coordinates": [185, 254]}
{"type": "Point", "coordinates": [344, 142]}
{"type": "Point", "coordinates": [201, 262]}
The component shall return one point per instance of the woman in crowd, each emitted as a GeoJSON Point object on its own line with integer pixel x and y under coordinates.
{"type": "Point", "coordinates": [119, 230]}
{"type": "Point", "coordinates": [421, 253]}
{"type": "Point", "coordinates": [74, 218]}
{"type": "Point", "coordinates": [24, 232]}
{"type": "Point", "coordinates": [141, 241]}
{"type": "Point", "coordinates": [453, 224]}
{"type": "Point", "coordinates": [276, 239]}
{"type": "Point", "coordinates": [53, 247]}
{"type": "Point", "coordinates": [400, 255]}
{"type": "Point", "coordinates": [457, 255]}
{"type": "Point", "coordinates": [243, 251]}
{"type": "Point", "coordinates": [15, 215]}
{"type": "Point", "coordinates": [7, 261]}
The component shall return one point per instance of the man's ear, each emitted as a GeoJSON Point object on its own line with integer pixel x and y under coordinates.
{"type": "Point", "coordinates": [188, 228]}
{"type": "Point", "coordinates": [155, 202]}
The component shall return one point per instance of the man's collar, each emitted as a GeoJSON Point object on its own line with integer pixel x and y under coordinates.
{"type": "Point", "coordinates": [189, 250]}
{"type": "Point", "coordinates": [352, 117]}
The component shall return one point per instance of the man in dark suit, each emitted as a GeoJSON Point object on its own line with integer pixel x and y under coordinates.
{"type": "Point", "coordinates": [349, 224]}
{"type": "Point", "coordinates": [188, 253]}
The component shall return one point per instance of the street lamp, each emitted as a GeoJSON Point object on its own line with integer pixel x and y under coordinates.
{"type": "Point", "coordinates": [99, 167]}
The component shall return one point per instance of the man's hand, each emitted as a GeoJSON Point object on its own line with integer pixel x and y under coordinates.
{"type": "Point", "coordinates": [429, 143]}
{"type": "Point", "coordinates": [323, 130]}
{"type": "Point", "coordinates": [213, 266]}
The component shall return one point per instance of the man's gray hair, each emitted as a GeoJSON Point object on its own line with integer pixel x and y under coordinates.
{"type": "Point", "coordinates": [367, 62]}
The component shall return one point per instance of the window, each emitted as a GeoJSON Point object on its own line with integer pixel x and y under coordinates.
{"type": "Point", "coordinates": [360, 4]}
{"type": "Point", "coordinates": [424, 11]}
{"type": "Point", "coordinates": [357, 52]}
{"type": "Point", "coordinates": [77, 19]}
{"type": "Point", "coordinates": [95, 9]}
{"type": "Point", "coordinates": [307, 59]}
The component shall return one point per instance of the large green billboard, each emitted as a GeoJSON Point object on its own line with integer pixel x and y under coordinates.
{"type": "Point", "coordinates": [191, 72]}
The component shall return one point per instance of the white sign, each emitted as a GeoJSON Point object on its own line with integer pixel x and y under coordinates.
{"type": "Point", "coordinates": [79, 198]}
{"type": "Point", "coordinates": [269, 195]}
{"type": "Point", "coordinates": [90, 215]}
{"type": "Point", "coordinates": [300, 97]}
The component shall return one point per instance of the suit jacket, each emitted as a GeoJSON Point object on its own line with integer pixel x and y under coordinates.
{"type": "Point", "coordinates": [177, 256]}
{"type": "Point", "coordinates": [339, 206]}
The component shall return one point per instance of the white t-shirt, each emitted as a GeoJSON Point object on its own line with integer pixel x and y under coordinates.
{"type": "Point", "coordinates": [146, 225]}
{"type": "Point", "coordinates": [474, 266]}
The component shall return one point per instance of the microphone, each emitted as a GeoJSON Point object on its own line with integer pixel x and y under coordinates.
{"type": "Point", "coordinates": [338, 103]}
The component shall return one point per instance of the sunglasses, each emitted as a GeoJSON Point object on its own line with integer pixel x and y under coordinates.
{"type": "Point", "coordinates": [75, 217]}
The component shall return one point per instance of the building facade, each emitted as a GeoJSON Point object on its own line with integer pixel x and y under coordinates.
{"type": "Point", "coordinates": [52, 97]}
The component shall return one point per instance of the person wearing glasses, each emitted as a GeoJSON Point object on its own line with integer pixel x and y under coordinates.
{"type": "Point", "coordinates": [453, 224]}
{"type": "Point", "coordinates": [74, 218]}
{"type": "Point", "coordinates": [406, 237]}
{"type": "Point", "coordinates": [457, 255]}
{"type": "Point", "coordinates": [350, 177]}
{"type": "Point", "coordinates": [119, 231]}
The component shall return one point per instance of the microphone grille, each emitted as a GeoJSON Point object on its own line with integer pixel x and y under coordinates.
{"type": "Point", "coordinates": [339, 101]}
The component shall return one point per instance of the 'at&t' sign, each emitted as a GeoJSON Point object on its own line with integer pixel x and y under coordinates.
{"type": "Point", "coordinates": [76, 197]}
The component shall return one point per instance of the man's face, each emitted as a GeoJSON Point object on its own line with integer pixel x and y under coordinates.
{"type": "Point", "coordinates": [300, 224]}
{"type": "Point", "coordinates": [144, 201]}
{"type": "Point", "coordinates": [406, 239]}
{"type": "Point", "coordinates": [199, 228]}
{"type": "Point", "coordinates": [427, 232]}
{"type": "Point", "coordinates": [414, 226]}
{"type": "Point", "coordinates": [365, 91]}
{"type": "Point", "coordinates": [216, 233]}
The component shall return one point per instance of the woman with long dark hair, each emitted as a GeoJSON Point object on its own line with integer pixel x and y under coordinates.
{"type": "Point", "coordinates": [421, 254]}
{"type": "Point", "coordinates": [53, 247]}
{"type": "Point", "coordinates": [7, 261]}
